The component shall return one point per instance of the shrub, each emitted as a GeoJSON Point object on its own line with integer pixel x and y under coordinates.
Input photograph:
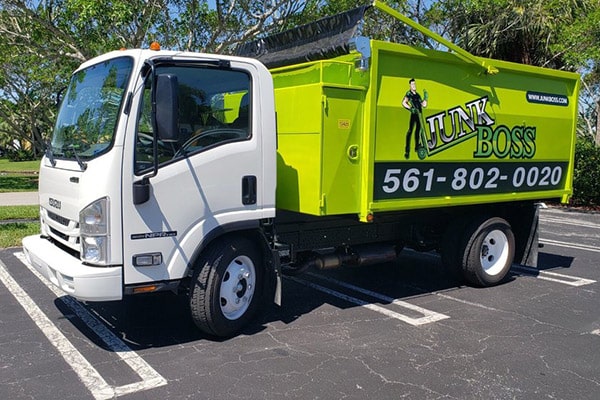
{"type": "Point", "coordinates": [586, 179]}
{"type": "Point", "coordinates": [20, 155]}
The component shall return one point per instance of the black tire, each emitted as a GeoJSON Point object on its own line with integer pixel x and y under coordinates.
{"type": "Point", "coordinates": [226, 286]}
{"type": "Point", "coordinates": [487, 251]}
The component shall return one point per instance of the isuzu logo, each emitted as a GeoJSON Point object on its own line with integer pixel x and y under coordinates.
{"type": "Point", "coordinates": [54, 203]}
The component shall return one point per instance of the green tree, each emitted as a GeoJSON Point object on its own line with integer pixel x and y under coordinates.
{"type": "Point", "coordinates": [523, 31]}
{"type": "Point", "coordinates": [580, 44]}
{"type": "Point", "coordinates": [559, 34]}
{"type": "Point", "coordinates": [193, 26]}
{"type": "Point", "coordinates": [43, 41]}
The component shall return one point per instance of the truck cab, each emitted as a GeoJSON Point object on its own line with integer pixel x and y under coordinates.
{"type": "Point", "coordinates": [154, 154]}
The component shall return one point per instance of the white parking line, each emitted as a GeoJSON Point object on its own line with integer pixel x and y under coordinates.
{"type": "Point", "coordinates": [469, 303]}
{"type": "Point", "coordinates": [90, 377]}
{"type": "Point", "coordinates": [553, 276]}
{"type": "Point", "coordinates": [570, 245]}
{"type": "Point", "coordinates": [570, 221]}
{"type": "Point", "coordinates": [86, 372]}
{"type": "Point", "coordinates": [428, 315]}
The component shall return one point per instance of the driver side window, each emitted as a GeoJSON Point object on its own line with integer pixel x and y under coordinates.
{"type": "Point", "coordinates": [214, 109]}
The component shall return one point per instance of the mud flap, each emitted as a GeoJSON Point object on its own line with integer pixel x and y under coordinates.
{"type": "Point", "coordinates": [528, 237]}
{"type": "Point", "coordinates": [276, 270]}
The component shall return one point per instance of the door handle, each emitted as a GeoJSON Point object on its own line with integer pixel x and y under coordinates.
{"type": "Point", "coordinates": [249, 190]}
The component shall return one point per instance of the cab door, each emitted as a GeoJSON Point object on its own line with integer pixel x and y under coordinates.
{"type": "Point", "coordinates": [205, 181]}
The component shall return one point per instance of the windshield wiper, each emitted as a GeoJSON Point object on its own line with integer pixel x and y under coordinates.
{"type": "Point", "coordinates": [49, 153]}
{"type": "Point", "coordinates": [82, 165]}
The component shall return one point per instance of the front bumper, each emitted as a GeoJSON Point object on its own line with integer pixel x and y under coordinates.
{"type": "Point", "coordinates": [70, 274]}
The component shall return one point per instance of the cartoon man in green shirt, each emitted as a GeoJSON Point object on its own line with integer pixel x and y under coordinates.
{"type": "Point", "coordinates": [414, 103]}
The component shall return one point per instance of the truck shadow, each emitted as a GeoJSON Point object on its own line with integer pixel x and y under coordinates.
{"type": "Point", "coordinates": [548, 261]}
{"type": "Point", "coordinates": [163, 319]}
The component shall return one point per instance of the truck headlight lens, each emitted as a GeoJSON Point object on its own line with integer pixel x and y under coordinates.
{"type": "Point", "coordinates": [94, 250]}
{"type": "Point", "coordinates": [93, 219]}
{"type": "Point", "coordinates": [94, 229]}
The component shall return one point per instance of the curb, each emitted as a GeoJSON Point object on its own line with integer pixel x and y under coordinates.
{"type": "Point", "coordinates": [19, 198]}
{"type": "Point", "coordinates": [19, 221]}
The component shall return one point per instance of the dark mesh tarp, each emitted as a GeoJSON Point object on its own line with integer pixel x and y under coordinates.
{"type": "Point", "coordinates": [325, 38]}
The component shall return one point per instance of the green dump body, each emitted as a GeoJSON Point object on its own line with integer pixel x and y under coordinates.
{"type": "Point", "coordinates": [484, 138]}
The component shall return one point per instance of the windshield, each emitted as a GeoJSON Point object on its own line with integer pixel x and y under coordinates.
{"type": "Point", "coordinates": [88, 115]}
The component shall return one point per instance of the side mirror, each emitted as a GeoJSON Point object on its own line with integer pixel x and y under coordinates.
{"type": "Point", "coordinates": [167, 107]}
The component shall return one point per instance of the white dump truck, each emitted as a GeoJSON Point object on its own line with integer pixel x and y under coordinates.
{"type": "Point", "coordinates": [211, 175]}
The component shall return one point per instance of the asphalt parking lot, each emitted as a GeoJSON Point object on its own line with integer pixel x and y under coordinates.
{"type": "Point", "coordinates": [399, 330]}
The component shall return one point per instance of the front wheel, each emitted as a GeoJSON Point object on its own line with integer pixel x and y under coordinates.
{"type": "Point", "coordinates": [226, 286]}
{"type": "Point", "coordinates": [487, 252]}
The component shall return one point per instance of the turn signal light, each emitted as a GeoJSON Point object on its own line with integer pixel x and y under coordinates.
{"type": "Point", "coordinates": [145, 289]}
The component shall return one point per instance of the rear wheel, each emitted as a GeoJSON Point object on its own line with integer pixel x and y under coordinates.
{"type": "Point", "coordinates": [226, 286]}
{"type": "Point", "coordinates": [487, 251]}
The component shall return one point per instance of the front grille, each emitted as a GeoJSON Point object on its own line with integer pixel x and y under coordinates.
{"type": "Point", "coordinates": [61, 229]}
{"type": "Point", "coordinates": [60, 219]}
{"type": "Point", "coordinates": [59, 234]}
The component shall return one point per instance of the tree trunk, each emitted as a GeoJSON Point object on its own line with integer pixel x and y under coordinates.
{"type": "Point", "coordinates": [597, 133]}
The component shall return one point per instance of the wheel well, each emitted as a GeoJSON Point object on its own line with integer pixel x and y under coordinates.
{"type": "Point", "coordinates": [522, 219]}
{"type": "Point", "coordinates": [255, 235]}
{"type": "Point", "coordinates": [520, 216]}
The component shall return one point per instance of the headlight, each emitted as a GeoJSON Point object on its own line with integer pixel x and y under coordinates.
{"type": "Point", "coordinates": [94, 229]}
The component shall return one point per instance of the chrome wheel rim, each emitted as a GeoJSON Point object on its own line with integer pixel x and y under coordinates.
{"type": "Point", "coordinates": [494, 252]}
{"type": "Point", "coordinates": [237, 287]}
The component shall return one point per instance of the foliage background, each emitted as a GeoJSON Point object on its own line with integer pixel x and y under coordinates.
{"type": "Point", "coordinates": [586, 185]}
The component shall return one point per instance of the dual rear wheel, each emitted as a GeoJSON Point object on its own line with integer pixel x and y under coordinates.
{"type": "Point", "coordinates": [481, 251]}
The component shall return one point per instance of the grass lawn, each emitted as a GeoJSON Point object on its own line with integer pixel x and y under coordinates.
{"type": "Point", "coordinates": [18, 176]}
{"type": "Point", "coordinates": [19, 212]}
{"type": "Point", "coordinates": [11, 233]}
{"type": "Point", "coordinates": [19, 166]}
